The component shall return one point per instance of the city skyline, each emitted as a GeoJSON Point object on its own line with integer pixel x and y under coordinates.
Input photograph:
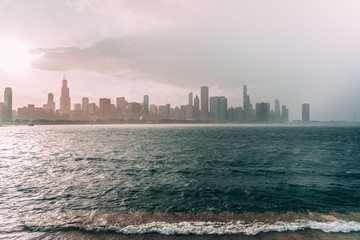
{"type": "Point", "coordinates": [210, 109]}
{"type": "Point", "coordinates": [297, 52]}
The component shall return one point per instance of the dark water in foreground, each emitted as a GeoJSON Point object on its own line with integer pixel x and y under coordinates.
{"type": "Point", "coordinates": [187, 182]}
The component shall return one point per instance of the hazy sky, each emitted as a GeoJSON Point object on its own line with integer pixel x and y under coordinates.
{"type": "Point", "coordinates": [297, 51]}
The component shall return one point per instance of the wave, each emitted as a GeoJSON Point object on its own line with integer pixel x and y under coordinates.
{"type": "Point", "coordinates": [173, 224]}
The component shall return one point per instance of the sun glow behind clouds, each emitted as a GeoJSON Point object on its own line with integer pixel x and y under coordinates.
{"type": "Point", "coordinates": [14, 56]}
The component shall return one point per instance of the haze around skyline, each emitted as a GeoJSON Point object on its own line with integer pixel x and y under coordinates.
{"type": "Point", "coordinates": [294, 51]}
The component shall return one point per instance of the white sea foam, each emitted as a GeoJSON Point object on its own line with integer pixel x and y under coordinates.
{"type": "Point", "coordinates": [234, 227]}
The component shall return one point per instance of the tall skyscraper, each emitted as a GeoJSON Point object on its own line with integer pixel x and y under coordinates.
{"type": "Point", "coordinates": [167, 111]}
{"type": "Point", "coordinates": [190, 99]}
{"type": "Point", "coordinates": [65, 98]}
{"type": "Point", "coordinates": [306, 112]}
{"type": "Point", "coordinates": [204, 103]}
{"type": "Point", "coordinates": [218, 109]}
{"type": "Point", "coordinates": [246, 98]}
{"type": "Point", "coordinates": [85, 106]}
{"type": "Point", "coordinates": [277, 110]}
{"type": "Point", "coordinates": [121, 104]}
{"type": "Point", "coordinates": [7, 104]}
{"type": "Point", "coordinates": [145, 105]}
{"type": "Point", "coordinates": [223, 109]}
{"type": "Point", "coordinates": [50, 105]}
{"type": "Point", "coordinates": [196, 108]}
{"type": "Point", "coordinates": [247, 105]}
{"type": "Point", "coordinates": [263, 112]}
{"type": "Point", "coordinates": [284, 114]}
{"type": "Point", "coordinates": [104, 107]}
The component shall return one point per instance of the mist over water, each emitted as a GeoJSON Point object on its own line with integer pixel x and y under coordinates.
{"type": "Point", "coordinates": [171, 179]}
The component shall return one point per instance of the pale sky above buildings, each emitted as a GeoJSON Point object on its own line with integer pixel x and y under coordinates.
{"type": "Point", "coordinates": [296, 51]}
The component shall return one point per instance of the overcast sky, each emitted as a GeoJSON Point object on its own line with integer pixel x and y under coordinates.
{"type": "Point", "coordinates": [297, 51]}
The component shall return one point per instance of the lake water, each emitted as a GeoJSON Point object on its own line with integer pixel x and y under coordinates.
{"type": "Point", "coordinates": [180, 182]}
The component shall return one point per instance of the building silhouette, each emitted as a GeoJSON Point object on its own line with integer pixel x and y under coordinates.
{"type": "Point", "coordinates": [190, 99]}
{"type": "Point", "coordinates": [65, 98]}
{"type": "Point", "coordinates": [7, 112]}
{"type": "Point", "coordinates": [85, 106]}
{"type": "Point", "coordinates": [218, 109]}
{"type": "Point", "coordinates": [204, 103]}
{"type": "Point", "coordinates": [105, 107]}
{"type": "Point", "coordinates": [306, 112]}
{"type": "Point", "coordinates": [197, 108]}
{"type": "Point", "coordinates": [262, 112]}
{"type": "Point", "coordinates": [277, 111]}
{"type": "Point", "coordinates": [145, 106]}
{"type": "Point", "coordinates": [284, 114]}
{"type": "Point", "coordinates": [248, 111]}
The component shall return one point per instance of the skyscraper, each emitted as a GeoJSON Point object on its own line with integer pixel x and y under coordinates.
{"type": "Point", "coordinates": [190, 99]}
{"type": "Point", "coordinates": [247, 105]}
{"type": "Point", "coordinates": [218, 109]}
{"type": "Point", "coordinates": [85, 106]}
{"type": "Point", "coordinates": [223, 109]}
{"type": "Point", "coordinates": [262, 112]}
{"type": "Point", "coordinates": [104, 107]}
{"type": "Point", "coordinates": [204, 103]}
{"type": "Point", "coordinates": [7, 104]}
{"type": "Point", "coordinates": [50, 105]}
{"type": "Point", "coordinates": [145, 104]}
{"type": "Point", "coordinates": [284, 114]}
{"type": "Point", "coordinates": [277, 110]}
{"type": "Point", "coordinates": [306, 112]}
{"type": "Point", "coordinates": [65, 98]}
{"type": "Point", "coordinates": [196, 108]}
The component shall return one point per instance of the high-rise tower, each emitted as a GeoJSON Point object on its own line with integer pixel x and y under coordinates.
{"type": "Point", "coordinates": [7, 104]}
{"type": "Point", "coordinates": [65, 98]}
{"type": "Point", "coordinates": [190, 99]}
{"type": "Point", "coordinates": [306, 112]}
{"type": "Point", "coordinates": [196, 108]}
{"type": "Point", "coordinates": [204, 103]}
{"type": "Point", "coordinates": [145, 104]}
{"type": "Point", "coordinates": [85, 106]}
{"type": "Point", "coordinates": [277, 110]}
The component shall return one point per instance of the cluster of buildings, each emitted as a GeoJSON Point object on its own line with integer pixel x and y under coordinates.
{"type": "Point", "coordinates": [205, 109]}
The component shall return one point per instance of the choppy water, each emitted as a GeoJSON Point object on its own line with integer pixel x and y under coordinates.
{"type": "Point", "coordinates": [183, 181]}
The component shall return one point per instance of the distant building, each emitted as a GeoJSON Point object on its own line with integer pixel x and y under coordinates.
{"type": "Point", "coordinates": [167, 111]}
{"type": "Point", "coordinates": [50, 105]}
{"type": "Point", "coordinates": [262, 112]}
{"type": "Point", "coordinates": [32, 113]}
{"type": "Point", "coordinates": [92, 109]}
{"type": "Point", "coordinates": [105, 107]}
{"type": "Point", "coordinates": [7, 113]}
{"type": "Point", "coordinates": [153, 109]}
{"type": "Point", "coordinates": [190, 99]}
{"type": "Point", "coordinates": [277, 111]}
{"type": "Point", "coordinates": [248, 111]}
{"type": "Point", "coordinates": [196, 109]}
{"type": "Point", "coordinates": [121, 104]}
{"type": "Point", "coordinates": [218, 109]}
{"type": "Point", "coordinates": [85, 106]}
{"type": "Point", "coordinates": [77, 107]}
{"type": "Point", "coordinates": [189, 114]}
{"type": "Point", "coordinates": [204, 103]}
{"type": "Point", "coordinates": [306, 112]}
{"type": "Point", "coordinates": [146, 104]}
{"type": "Point", "coordinates": [65, 98]}
{"type": "Point", "coordinates": [239, 115]}
{"type": "Point", "coordinates": [284, 114]}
